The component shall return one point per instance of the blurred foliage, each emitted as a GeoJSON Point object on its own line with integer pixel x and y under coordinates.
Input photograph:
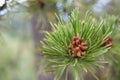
{"type": "Point", "coordinates": [16, 58]}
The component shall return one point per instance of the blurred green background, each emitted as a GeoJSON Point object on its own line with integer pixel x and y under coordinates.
{"type": "Point", "coordinates": [22, 23]}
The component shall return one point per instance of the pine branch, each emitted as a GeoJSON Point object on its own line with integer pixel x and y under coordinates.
{"type": "Point", "coordinates": [76, 44]}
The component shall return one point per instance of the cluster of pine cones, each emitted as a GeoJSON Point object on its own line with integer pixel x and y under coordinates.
{"type": "Point", "coordinates": [78, 47]}
{"type": "Point", "coordinates": [109, 42]}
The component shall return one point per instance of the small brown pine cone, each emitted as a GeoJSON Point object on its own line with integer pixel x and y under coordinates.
{"type": "Point", "coordinates": [77, 41]}
{"type": "Point", "coordinates": [79, 38]}
{"type": "Point", "coordinates": [82, 53]}
{"type": "Point", "coordinates": [83, 48]}
{"type": "Point", "coordinates": [79, 53]}
{"type": "Point", "coordinates": [77, 49]}
{"type": "Point", "coordinates": [84, 44]}
{"type": "Point", "coordinates": [73, 43]}
{"type": "Point", "coordinates": [107, 43]}
{"type": "Point", "coordinates": [79, 46]}
{"type": "Point", "coordinates": [110, 43]}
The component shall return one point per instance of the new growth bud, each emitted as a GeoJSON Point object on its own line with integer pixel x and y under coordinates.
{"type": "Point", "coordinates": [78, 47]}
